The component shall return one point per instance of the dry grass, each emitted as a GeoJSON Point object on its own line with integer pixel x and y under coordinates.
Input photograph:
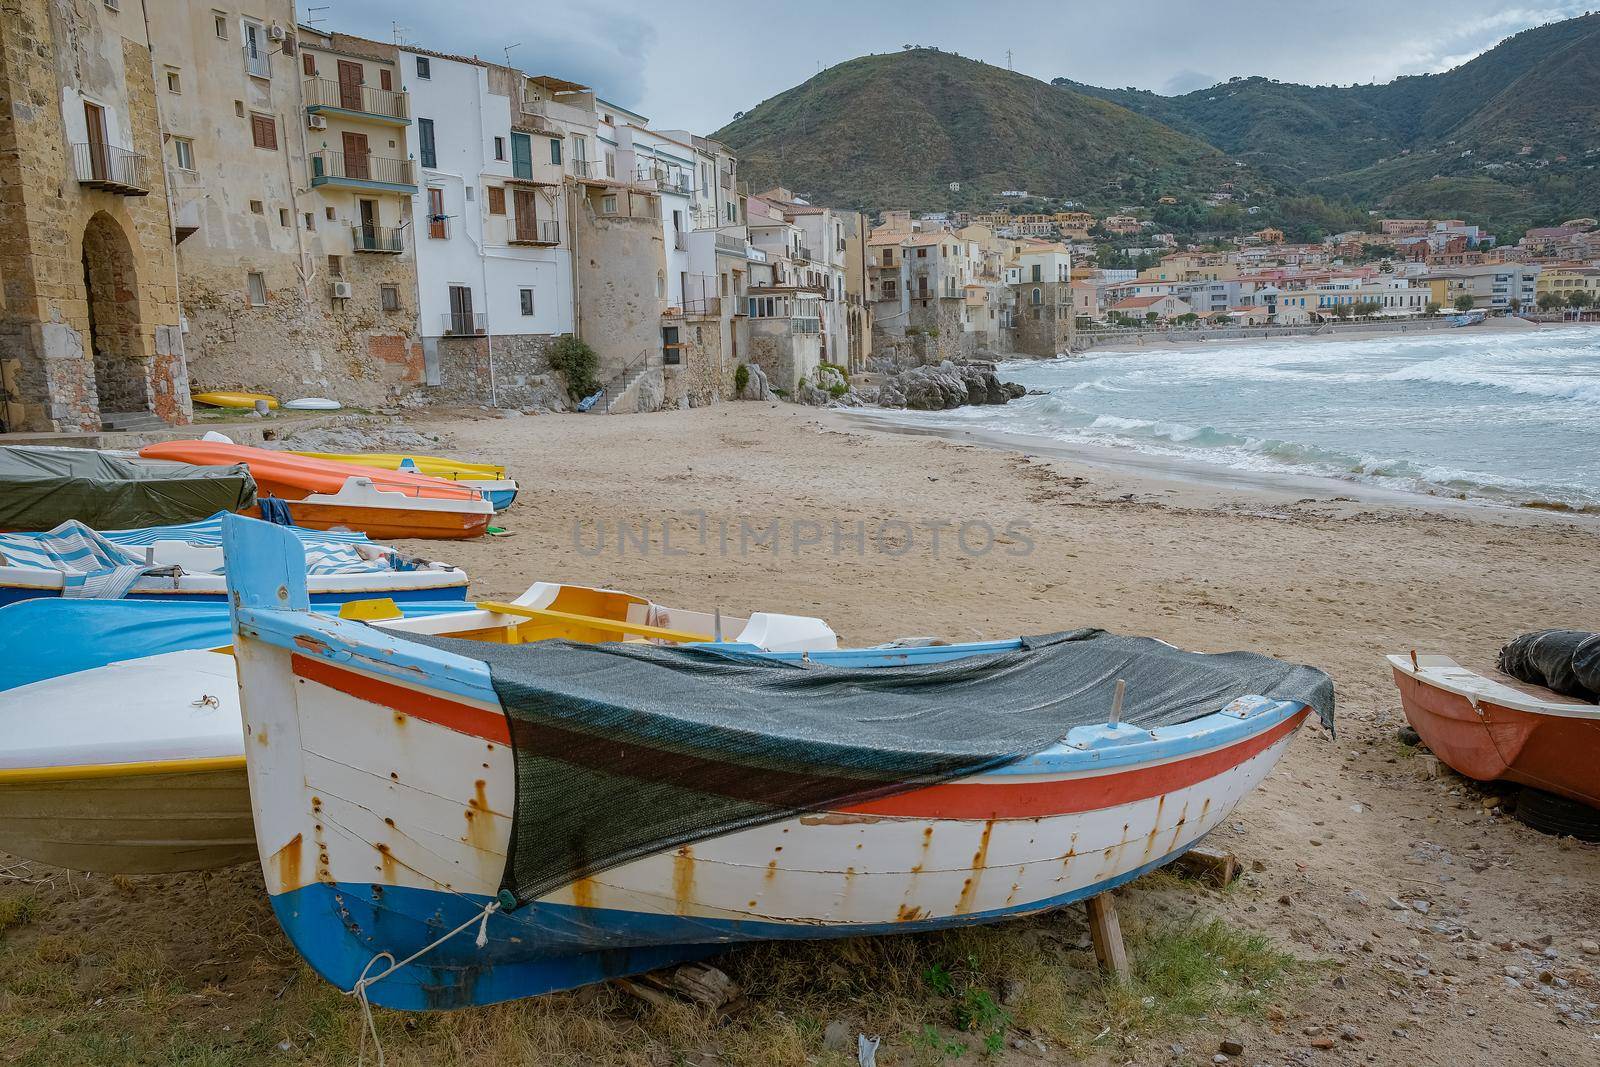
{"type": "Point", "coordinates": [77, 997]}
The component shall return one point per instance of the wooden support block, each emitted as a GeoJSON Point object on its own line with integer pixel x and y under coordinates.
{"type": "Point", "coordinates": [1105, 930]}
{"type": "Point", "coordinates": [1215, 865]}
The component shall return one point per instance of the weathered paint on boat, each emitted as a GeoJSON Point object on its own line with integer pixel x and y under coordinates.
{"type": "Point", "coordinates": [1489, 726]}
{"type": "Point", "coordinates": [383, 791]}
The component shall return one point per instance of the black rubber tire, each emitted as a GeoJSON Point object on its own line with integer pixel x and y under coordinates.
{"type": "Point", "coordinates": [1552, 814]}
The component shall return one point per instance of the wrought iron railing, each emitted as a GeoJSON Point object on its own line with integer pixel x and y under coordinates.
{"type": "Point", "coordinates": [326, 163]}
{"type": "Point", "coordinates": [535, 232]}
{"type": "Point", "coordinates": [463, 324]}
{"type": "Point", "coordinates": [103, 166]}
{"type": "Point", "coordinates": [377, 238]}
{"type": "Point", "coordinates": [325, 92]}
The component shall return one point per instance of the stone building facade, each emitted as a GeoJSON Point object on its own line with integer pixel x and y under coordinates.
{"type": "Point", "coordinates": [89, 321]}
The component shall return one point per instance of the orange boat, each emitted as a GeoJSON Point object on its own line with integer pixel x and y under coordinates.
{"type": "Point", "coordinates": [324, 495]}
{"type": "Point", "coordinates": [1490, 726]}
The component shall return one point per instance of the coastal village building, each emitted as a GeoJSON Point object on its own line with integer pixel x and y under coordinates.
{"type": "Point", "coordinates": [1492, 286]}
{"type": "Point", "coordinates": [1041, 279]}
{"type": "Point", "coordinates": [1564, 280]}
{"type": "Point", "coordinates": [1151, 308]}
{"type": "Point", "coordinates": [90, 328]}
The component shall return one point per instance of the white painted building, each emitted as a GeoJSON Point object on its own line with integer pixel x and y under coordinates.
{"type": "Point", "coordinates": [492, 243]}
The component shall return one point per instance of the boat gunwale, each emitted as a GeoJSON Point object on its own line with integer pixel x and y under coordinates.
{"type": "Point", "coordinates": [1485, 690]}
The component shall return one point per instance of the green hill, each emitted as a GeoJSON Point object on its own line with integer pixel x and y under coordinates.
{"type": "Point", "coordinates": [895, 130]}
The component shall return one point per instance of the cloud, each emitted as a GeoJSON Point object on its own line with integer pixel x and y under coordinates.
{"type": "Point", "coordinates": [1187, 81]}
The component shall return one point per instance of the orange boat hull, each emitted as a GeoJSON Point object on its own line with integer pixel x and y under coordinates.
{"type": "Point", "coordinates": [1490, 742]}
{"type": "Point", "coordinates": [385, 524]}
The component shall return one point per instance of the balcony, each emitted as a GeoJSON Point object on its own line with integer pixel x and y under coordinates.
{"type": "Point", "coordinates": [552, 111]}
{"type": "Point", "coordinates": [382, 239]}
{"type": "Point", "coordinates": [701, 308]}
{"type": "Point", "coordinates": [464, 324]}
{"type": "Point", "coordinates": [585, 169]}
{"type": "Point", "coordinates": [363, 172]}
{"type": "Point", "coordinates": [802, 254]}
{"type": "Point", "coordinates": [666, 179]}
{"type": "Point", "coordinates": [628, 206]}
{"type": "Point", "coordinates": [116, 170]}
{"type": "Point", "coordinates": [357, 101]}
{"type": "Point", "coordinates": [535, 232]}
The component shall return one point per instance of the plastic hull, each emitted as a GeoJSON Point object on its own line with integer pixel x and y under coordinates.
{"type": "Point", "coordinates": [1490, 728]}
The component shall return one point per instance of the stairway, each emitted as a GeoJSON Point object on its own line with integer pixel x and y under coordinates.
{"type": "Point", "coordinates": [619, 389]}
{"type": "Point", "coordinates": [131, 421]}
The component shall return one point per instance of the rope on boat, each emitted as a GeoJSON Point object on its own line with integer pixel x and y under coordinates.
{"type": "Point", "coordinates": [359, 990]}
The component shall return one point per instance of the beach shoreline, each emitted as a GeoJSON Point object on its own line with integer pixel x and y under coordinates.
{"type": "Point", "coordinates": [1341, 826]}
{"type": "Point", "coordinates": [1360, 332]}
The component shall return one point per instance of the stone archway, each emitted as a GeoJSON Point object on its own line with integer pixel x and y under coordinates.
{"type": "Point", "coordinates": [115, 338]}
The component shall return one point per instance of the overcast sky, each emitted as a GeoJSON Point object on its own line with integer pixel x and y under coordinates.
{"type": "Point", "coordinates": [693, 65]}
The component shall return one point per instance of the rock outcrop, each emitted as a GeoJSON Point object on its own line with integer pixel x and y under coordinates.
{"type": "Point", "coordinates": [947, 385]}
{"type": "Point", "coordinates": [756, 387]}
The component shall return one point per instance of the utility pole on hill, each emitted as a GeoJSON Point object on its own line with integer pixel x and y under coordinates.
{"type": "Point", "coordinates": [1008, 59]}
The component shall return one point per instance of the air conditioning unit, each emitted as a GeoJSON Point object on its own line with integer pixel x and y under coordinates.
{"type": "Point", "coordinates": [317, 122]}
{"type": "Point", "coordinates": [275, 33]}
{"type": "Point", "coordinates": [341, 290]}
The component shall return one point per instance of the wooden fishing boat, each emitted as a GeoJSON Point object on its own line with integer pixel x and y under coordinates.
{"type": "Point", "coordinates": [1490, 726]}
{"type": "Point", "coordinates": [324, 495]}
{"type": "Point", "coordinates": [490, 479]}
{"type": "Point", "coordinates": [184, 562]}
{"type": "Point", "coordinates": [383, 862]}
{"type": "Point", "coordinates": [138, 767]}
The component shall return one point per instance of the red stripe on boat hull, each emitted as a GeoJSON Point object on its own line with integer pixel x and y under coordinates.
{"type": "Point", "coordinates": [996, 799]}
{"type": "Point", "coordinates": [992, 799]}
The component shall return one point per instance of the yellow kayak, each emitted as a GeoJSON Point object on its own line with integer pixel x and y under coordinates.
{"type": "Point", "coordinates": [226, 399]}
{"type": "Point", "coordinates": [434, 466]}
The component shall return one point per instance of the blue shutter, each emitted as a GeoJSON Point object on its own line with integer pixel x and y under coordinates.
{"type": "Point", "coordinates": [425, 140]}
{"type": "Point", "coordinates": [521, 155]}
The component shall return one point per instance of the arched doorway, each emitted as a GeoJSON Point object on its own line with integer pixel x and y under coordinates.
{"type": "Point", "coordinates": [121, 365]}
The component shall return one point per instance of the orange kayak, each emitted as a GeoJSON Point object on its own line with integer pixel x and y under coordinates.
{"type": "Point", "coordinates": [325, 495]}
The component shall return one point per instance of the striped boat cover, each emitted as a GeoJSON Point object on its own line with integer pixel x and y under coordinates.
{"type": "Point", "coordinates": [106, 565]}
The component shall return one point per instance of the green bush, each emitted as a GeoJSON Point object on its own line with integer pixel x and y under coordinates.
{"type": "Point", "coordinates": [577, 363]}
{"type": "Point", "coordinates": [741, 377]}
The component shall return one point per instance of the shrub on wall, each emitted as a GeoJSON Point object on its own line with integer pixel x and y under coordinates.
{"type": "Point", "coordinates": [577, 363]}
{"type": "Point", "coordinates": [741, 378]}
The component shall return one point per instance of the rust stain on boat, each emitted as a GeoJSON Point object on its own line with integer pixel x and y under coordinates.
{"type": "Point", "coordinates": [980, 860]}
{"type": "Point", "coordinates": [772, 870]}
{"type": "Point", "coordinates": [261, 737]}
{"type": "Point", "coordinates": [909, 913]}
{"type": "Point", "coordinates": [385, 861]}
{"type": "Point", "coordinates": [287, 862]}
{"type": "Point", "coordinates": [1155, 828]}
{"type": "Point", "coordinates": [583, 892]}
{"type": "Point", "coordinates": [311, 644]}
{"type": "Point", "coordinates": [838, 818]}
{"type": "Point", "coordinates": [683, 879]}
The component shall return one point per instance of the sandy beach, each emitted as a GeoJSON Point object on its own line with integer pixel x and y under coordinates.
{"type": "Point", "coordinates": [1409, 898]}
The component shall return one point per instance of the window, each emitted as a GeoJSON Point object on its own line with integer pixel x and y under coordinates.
{"type": "Point", "coordinates": [424, 71]}
{"type": "Point", "coordinates": [500, 149]}
{"type": "Point", "coordinates": [430, 157]}
{"type": "Point", "coordinates": [255, 49]}
{"type": "Point", "coordinates": [255, 285]}
{"type": "Point", "coordinates": [183, 152]}
{"type": "Point", "coordinates": [438, 221]}
{"type": "Point", "coordinates": [1036, 299]}
{"type": "Point", "coordinates": [283, 216]}
{"type": "Point", "coordinates": [527, 301]}
{"type": "Point", "coordinates": [521, 155]}
{"type": "Point", "coordinates": [671, 347]}
{"type": "Point", "coordinates": [264, 132]}
{"type": "Point", "coordinates": [555, 150]}
{"type": "Point", "coordinates": [308, 63]}
{"type": "Point", "coordinates": [238, 108]}
{"type": "Point", "coordinates": [220, 23]}
{"type": "Point", "coordinates": [336, 266]}
{"type": "Point", "coordinates": [329, 212]}
{"type": "Point", "coordinates": [311, 221]}
{"type": "Point", "coordinates": [385, 79]}
{"type": "Point", "coordinates": [497, 200]}
{"type": "Point", "coordinates": [174, 82]}
{"type": "Point", "coordinates": [258, 207]}
{"type": "Point", "coordinates": [389, 295]}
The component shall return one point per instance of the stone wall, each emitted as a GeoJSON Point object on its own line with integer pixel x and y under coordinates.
{"type": "Point", "coordinates": [1045, 329]}
{"type": "Point", "coordinates": [520, 372]}
{"type": "Point", "coordinates": [702, 376]}
{"type": "Point", "coordinates": [621, 268]}
{"type": "Point", "coordinates": [53, 54]}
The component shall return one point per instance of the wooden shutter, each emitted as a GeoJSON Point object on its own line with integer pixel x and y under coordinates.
{"type": "Point", "coordinates": [526, 221]}
{"type": "Point", "coordinates": [350, 85]}
{"type": "Point", "coordinates": [308, 63]}
{"type": "Point", "coordinates": [497, 200]}
{"type": "Point", "coordinates": [385, 80]}
{"type": "Point", "coordinates": [264, 131]}
{"type": "Point", "coordinates": [355, 155]}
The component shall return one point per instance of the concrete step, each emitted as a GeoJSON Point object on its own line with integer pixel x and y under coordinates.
{"type": "Point", "coordinates": [131, 421]}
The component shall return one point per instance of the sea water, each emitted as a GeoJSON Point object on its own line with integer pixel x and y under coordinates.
{"type": "Point", "coordinates": [1507, 415]}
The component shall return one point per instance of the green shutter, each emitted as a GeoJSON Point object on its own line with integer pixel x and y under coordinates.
{"type": "Point", "coordinates": [521, 155]}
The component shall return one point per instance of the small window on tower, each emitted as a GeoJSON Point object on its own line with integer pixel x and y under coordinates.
{"type": "Point", "coordinates": [527, 301]}
{"type": "Point", "coordinates": [258, 207]}
{"type": "Point", "coordinates": [221, 24]}
{"type": "Point", "coordinates": [390, 296]}
{"type": "Point", "coordinates": [336, 266]}
{"type": "Point", "coordinates": [255, 285]}
{"type": "Point", "coordinates": [174, 82]}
